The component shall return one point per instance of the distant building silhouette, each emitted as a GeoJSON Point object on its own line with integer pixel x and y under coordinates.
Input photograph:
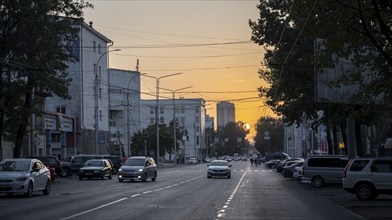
{"type": "Point", "coordinates": [225, 112]}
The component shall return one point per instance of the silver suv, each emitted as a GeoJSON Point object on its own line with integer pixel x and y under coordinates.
{"type": "Point", "coordinates": [368, 177]}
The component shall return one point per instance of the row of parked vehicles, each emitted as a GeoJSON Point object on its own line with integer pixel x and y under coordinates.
{"type": "Point", "coordinates": [29, 175]}
{"type": "Point", "coordinates": [364, 177]}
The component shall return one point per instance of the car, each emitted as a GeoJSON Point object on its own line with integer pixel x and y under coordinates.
{"type": "Point", "coordinates": [320, 170]}
{"type": "Point", "coordinates": [288, 170]}
{"type": "Point", "coordinates": [219, 168]}
{"type": "Point", "coordinates": [368, 177]}
{"type": "Point", "coordinates": [207, 160]}
{"type": "Point", "coordinates": [76, 162]}
{"type": "Point", "coordinates": [24, 175]}
{"type": "Point", "coordinates": [96, 168]}
{"type": "Point", "coordinates": [297, 173]}
{"type": "Point", "coordinates": [192, 161]}
{"type": "Point", "coordinates": [50, 161]}
{"type": "Point", "coordinates": [138, 168]}
{"type": "Point", "coordinates": [116, 161]}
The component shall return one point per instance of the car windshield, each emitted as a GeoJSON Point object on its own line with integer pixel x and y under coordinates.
{"type": "Point", "coordinates": [12, 165]}
{"type": "Point", "coordinates": [219, 163]}
{"type": "Point", "coordinates": [134, 162]}
{"type": "Point", "coordinates": [93, 164]}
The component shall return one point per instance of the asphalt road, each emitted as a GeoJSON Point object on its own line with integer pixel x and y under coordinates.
{"type": "Point", "coordinates": [184, 192]}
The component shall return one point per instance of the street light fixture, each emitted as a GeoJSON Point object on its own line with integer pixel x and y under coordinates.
{"type": "Point", "coordinates": [157, 107]}
{"type": "Point", "coordinates": [174, 119]}
{"type": "Point", "coordinates": [96, 99]}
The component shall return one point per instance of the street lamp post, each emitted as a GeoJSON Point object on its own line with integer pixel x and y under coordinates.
{"type": "Point", "coordinates": [157, 107]}
{"type": "Point", "coordinates": [174, 120]}
{"type": "Point", "coordinates": [128, 149]}
{"type": "Point", "coordinates": [96, 90]}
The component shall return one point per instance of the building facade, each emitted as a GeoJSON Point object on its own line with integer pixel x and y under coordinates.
{"type": "Point", "coordinates": [89, 91]}
{"type": "Point", "coordinates": [189, 113]}
{"type": "Point", "coordinates": [124, 117]}
{"type": "Point", "coordinates": [225, 112]}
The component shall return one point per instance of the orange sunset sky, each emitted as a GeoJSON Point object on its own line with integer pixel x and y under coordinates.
{"type": "Point", "coordinates": [208, 41]}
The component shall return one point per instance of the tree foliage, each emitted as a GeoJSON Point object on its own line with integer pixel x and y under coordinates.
{"type": "Point", "coordinates": [232, 139]}
{"type": "Point", "coordinates": [355, 29]}
{"type": "Point", "coordinates": [35, 41]}
{"type": "Point", "coordinates": [269, 135]}
{"type": "Point", "coordinates": [144, 141]}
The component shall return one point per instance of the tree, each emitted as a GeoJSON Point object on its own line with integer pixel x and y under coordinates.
{"type": "Point", "coordinates": [232, 137]}
{"type": "Point", "coordinates": [356, 30]}
{"type": "Point", "coordinates": [35, 51]}
{"type": "Point", "coordinates": [144, 141]}
{"type": "Point", "coordinates": [269, 135]}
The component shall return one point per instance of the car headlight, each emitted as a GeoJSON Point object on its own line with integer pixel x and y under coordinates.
{"type": "Point", "coordinates": [141, 170]}
{"type": "Point", "coordinates": [21, 178]}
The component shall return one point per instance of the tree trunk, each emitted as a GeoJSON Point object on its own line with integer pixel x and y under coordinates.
{"type": "Point", "coordinates": [24, 119]}
{"type": "Point", "coordinates": [344, 136]}
{"type": "Point", "coordinates": [358, 139]}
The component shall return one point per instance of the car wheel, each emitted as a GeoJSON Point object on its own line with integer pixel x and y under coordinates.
{"type": "Point", "coordinates": [64, 172]}
{"type": "Point", "coordinates": [155, 177]}
{"type": "Point", "coordinates": [46, 191]}
{"type": "Point", "coordinates": [30, 190]}
{"type": "Point", "coordinates": [229, 176]}
{"type": "Point", "coordinates": [317, 181]}
{"type": "Point", "coordinates": [364, 191]}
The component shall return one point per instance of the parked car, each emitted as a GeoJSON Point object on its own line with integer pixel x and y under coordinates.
{"type": "Point", "coordinates": [24, 175]}
{"type": "Point", "coordinates": [271, 163]}
{"type": "Point", "coordinates": [275, 156]}
{"type": "Point", "coordinates": [288, 170]}
{"type": "Point", "coordinates": [368, 177]}
{"type": "Point", "coordinates": [283, 163]}
{"type": "Point", "coordinates": [50, 161]}
{"type": "Point", "coordinates": [297, 173]}
{"type": "Point", "coordinates": [320, 170]}
{"type": "Point", "coordinates": [96, 168]}
{"type": "Point", "coordinates": [219, 168]}
{"type": "Point", "coordinates": [138, 168]}
{"type": "Point", "coordinates": [116, 162]}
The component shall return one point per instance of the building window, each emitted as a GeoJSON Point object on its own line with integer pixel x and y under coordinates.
{"type": "Point", "coordinates": [100, 93]}
{"type": "Point", "coordinates": [55, 138]}
{"type": "Point", "coordinates": [151, 110]}
{"type": "Point", "coordinates": [162, 120]}
{"type": "Point", "coordinates": [94, 46]}
{"type": "Point", "coordinates": [162, 109]}
{"type": "Point", "coordinates": [60, 109]}
{"type": "Point", "coordinates": [99, 48]}
{"type": "Point", "coordinates": [112, 123]}
{"type": "Point", "coordinates": [99, 72]}
{"type": "Point", "coordinates": [152, 120]}
{"type": "Point", "coordinates": [100, 115]}
{"type": "Point", "coordinates": [95, 69]}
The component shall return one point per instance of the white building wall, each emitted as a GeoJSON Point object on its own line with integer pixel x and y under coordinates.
{"type": "Point", "coordinates": [90, 47]}
{"type": "Point", "coordinates": [190, 113]}
{"type": "Point", "coordinates": [124, 100]}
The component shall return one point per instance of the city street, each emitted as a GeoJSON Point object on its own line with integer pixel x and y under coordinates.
{"type": "Point", "coordinates": [184, 192]}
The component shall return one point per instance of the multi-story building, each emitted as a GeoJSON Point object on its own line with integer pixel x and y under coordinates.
{"type": "Point", "coordinates": [190, 114]}
{"type": "Point", "coordinates": [225, 112]}
{"type": "Point", "coordinates": [88, 104]}
{"type": "Point", "coordinates": [124, 117]}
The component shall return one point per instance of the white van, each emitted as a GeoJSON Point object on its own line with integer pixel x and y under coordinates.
{"type": "Point", "coordinates": [320, 170]}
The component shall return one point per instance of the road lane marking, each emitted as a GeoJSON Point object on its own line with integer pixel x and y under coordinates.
{"type": "Point", "coordinates": [222, 212]}
{"type": "Point", "coordinates": [96, 208]}
{"type": "Point", "coordinates": [132, 196]}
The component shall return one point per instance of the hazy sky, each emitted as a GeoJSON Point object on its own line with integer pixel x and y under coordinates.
{"type": "Point", "coordinates": [206, 40]}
